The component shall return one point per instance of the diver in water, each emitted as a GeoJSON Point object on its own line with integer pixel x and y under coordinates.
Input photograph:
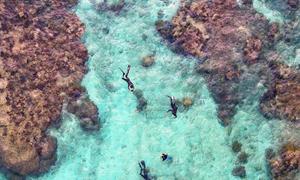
{"type": "Point", "coordinates": [126, 78]}
{"type": "Point", "coordinates": [173, 106]}
{"type": "Point", "coordinates": [143, 170]}
{"type": "Point", "coordinates": [166, 157]}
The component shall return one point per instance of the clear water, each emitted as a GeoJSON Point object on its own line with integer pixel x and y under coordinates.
{"type": "Point", "coordinates": [271, 14]}
{"type": "Point", "coordinates": [289, 52]}
{"type": "Point", "coordinates": [199, 145]}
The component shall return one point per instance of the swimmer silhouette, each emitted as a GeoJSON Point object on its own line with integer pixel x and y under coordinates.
{"type": "Point", "coordinates": [173, 106]}
{"type": "Point", "coordinates": [143, 170]}
{"type": "Point", "coordinates": [166, 157]}
{"type": "Point", "coordinates": [127, 79]}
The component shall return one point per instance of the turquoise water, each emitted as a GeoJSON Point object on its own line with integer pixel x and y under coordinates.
{"type": "Point", "coordinates": [199, 145]}
{"type": "Point", "coordinates": [271, 14]}
{"type": "Point", "coordinates": [289, 52]}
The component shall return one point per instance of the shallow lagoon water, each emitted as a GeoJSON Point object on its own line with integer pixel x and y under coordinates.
{"type": "Point", "coordinates": [199, 145]}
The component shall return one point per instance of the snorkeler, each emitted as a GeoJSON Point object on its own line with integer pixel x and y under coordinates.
{"type": "Point", "coordinates": [166, 157]}
{"type": "Point", "coordinates": [126, 78]}
{"type": "Point", "coordinates": [173, 106]}
{"type": "Point", "coordinates": [143, 170]}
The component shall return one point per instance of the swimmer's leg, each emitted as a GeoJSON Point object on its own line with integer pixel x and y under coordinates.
{"type": "Point", "coordinates": [128, 69]}
{"type": "Point", "coordinates": [141, 169]}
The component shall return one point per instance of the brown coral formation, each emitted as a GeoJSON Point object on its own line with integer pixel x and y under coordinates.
{"type": "Point", "coordinates": [252, 50]}
{"type": "Point", "coordinates": [114, 7]}
{"type": "Point", "coordinates": [282, 99]}
{"type": "Point", "coordinates": [41, 66]}
{"type": "Point", "coordinates": [294, 4]}
{"type": "Point", "coordinates": [230, 39]}
{"type": "Point", "coordinates": [287, 163]}
{"type": "Point", "coordinates": [222, 34]}
{"type": "Point", "coordinates": [86, 111]}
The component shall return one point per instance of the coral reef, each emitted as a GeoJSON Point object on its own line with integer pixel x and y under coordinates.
{"type": "Point", "coordinates": [282, 99]}
{"type": "Point", "coordinates": [221, 34]}
{"type": "Point", "coordinates": [293, 4]}
{"type": "Point", "coordinates": [231, 42]}
{"type": "Point", "coordinates": [287, 8]}
{"type": "Point", "coordinates": [236, 146]}
{"type": "Point", "coordinates": [114, 7]}
{"type": "Point", "coordinates": [148, 61]}
{"type": "Point", "coordinates": [287, 163]}
{"type": "Point", "coordinates": [41, 66]}
{"type": "Point", "coordinates": [86, 111]}
{"type": "Point", "coordinates": [243, 157]}
{"type": "Point", "coordinates": [239, 171]}
{"type": "Point", "coordinates": [187, 102]}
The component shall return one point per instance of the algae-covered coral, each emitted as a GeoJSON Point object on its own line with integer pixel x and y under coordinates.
{"type": "Point", "coordinates": [42, 63]}
{"type": "Point", "coordinates": [232, 40]}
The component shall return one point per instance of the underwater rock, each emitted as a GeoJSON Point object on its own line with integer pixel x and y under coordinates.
{"type": "Point", "coordinates": [274, 33]}
{"type": "Point", "coordinates": [287, 163]}
{"type": "Point", "coordinates": [239, 171]}
{"type": "Point", "coordinates": [187, 102]}
{"type": "Point", "coordinates": [269, 153]}
{"type": "Point", "coordinates": [20, 158]}
{"type": "Point", "coordinates": [42, 62]}
{"type": "Point", "coordinates": [282, 99]}
{"type": "Point", "coordinates": [142, 102]}
{"type": "Point", "coordinates": [47, 147]}
{"type": "Point", "coordinates": [252, 50]}
{"type": "Point", "coordinates": [236, 146]}
{"type": "Point", "coordinates": [165, 29]}
{"type": "Point", "coordinates": [89, 124]}
{"type": "Point", "coordinates": [294, 4]}
{"type": "Point", "coordinates": [16, 177]}
{"type": "Point", "coordinates": [247, 2]}
{"type": "Point", "coordinates": [243, 157]}
{"type": "Point", "coordinates": [87, 113]}
{"type": "Point", "coordinates": [114, 7]}
{"type": "Point", "coordinates": [47, 152]}
{"type": "Point", "coordinates": [148, 61]}
{"type": "Point", "coordinates": [221, 33]}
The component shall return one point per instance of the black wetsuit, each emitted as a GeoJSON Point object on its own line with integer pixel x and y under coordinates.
{"type": "Point", "coordinates": [164, 157]}
{"type": "Point", "coordinates": [127, 79]}
{"type": "Point", "coordinates": [173, 106]}
{"type": "Point", "coordinates": [143, 170]}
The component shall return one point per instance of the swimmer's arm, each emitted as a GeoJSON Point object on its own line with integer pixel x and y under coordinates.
{"type": "Point", "coordinates": [122, 71]}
